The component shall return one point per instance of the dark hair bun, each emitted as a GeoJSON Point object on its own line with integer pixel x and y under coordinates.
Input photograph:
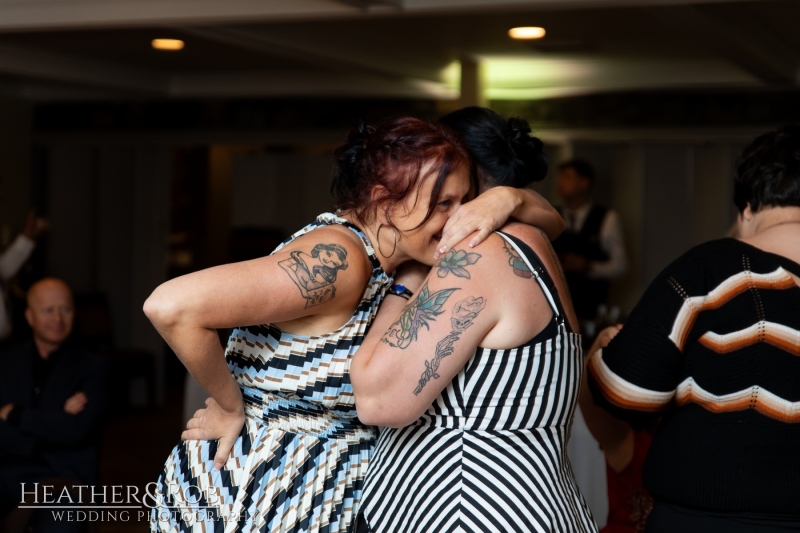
{"type": "Point", "coordinates": [519, 130]}
{"type": "Point", "coordinates": [504, 150]}
{"type": "Point", "coordinates": [349, 171]}
{"type": "Point", "coordinates": [528, 150]}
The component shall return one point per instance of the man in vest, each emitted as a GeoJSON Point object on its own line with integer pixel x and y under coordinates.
{"type": "Point", "coordinates": [591, 249]}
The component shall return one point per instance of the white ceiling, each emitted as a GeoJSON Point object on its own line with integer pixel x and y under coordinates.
{"type": "Point", "coordinates": [99, 49]}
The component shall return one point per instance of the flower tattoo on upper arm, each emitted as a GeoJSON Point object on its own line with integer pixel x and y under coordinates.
{"type": "Point", "coordinates": [455, 262]}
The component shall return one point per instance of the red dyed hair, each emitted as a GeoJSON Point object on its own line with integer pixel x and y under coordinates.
{"type": "Point", "coordinates": [392, 154]}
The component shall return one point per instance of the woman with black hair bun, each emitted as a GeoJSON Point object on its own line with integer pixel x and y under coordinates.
{"type": "Point", "coordinates": [505, 151]}
{"type": "Point", "coordinates": [476, 379]}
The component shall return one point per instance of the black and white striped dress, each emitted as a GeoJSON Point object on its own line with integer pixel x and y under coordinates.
{"type": "Point", "coordinates": [490, 452]}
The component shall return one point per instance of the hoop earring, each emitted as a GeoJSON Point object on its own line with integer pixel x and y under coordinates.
{"type": "Point", "coordinates": [394, 246]}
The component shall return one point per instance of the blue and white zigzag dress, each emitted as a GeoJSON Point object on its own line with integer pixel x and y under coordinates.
{"type": "Point", "coordinates": [299, 463]}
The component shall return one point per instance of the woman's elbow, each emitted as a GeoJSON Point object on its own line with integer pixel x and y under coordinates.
{"type": "Point", "coordinates": [161, 308]}
{"type": "Point", "coordinates": [377, 413]}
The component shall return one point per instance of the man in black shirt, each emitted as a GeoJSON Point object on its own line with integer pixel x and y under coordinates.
{"type": "Point", "coordinates": [51, 398]}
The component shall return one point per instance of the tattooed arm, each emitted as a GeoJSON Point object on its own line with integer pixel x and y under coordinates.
{"type": "Point", "coordinates": [310, 287]}
{"type": "Point", "coordinates": [413, 351]}
{"type": "Point", "coordinates": [469, 299]}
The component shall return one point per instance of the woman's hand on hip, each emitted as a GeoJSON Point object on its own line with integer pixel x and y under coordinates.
{"type": "Point", "coordinates": [214, 423]}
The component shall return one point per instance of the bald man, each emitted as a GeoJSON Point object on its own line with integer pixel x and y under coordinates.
{"type": "Point", "coordinates": [51, 398]}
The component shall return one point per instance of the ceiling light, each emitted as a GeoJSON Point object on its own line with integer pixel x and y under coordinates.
{"type": "Point", "coordinates": [526, 32]}
{"type": "Point", "coordinates": [167, 44]}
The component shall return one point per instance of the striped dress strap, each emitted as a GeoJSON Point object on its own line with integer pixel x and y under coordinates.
{"type": "Point", "coordinates": [541, 275]}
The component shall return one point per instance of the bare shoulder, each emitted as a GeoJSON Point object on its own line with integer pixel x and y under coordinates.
{"type": "Point", "coordinates": [477, 264]}
{"type": "Point", "coordinates": [541, 246]}
{"type": "Point", "coordinates": [515, 304]}
{"type": "Point", "coordinates": [491, 253]}
{"type": "Point", "coordinates": [532, 236]}
{"type": "Point", "coordinates": [333, 243]}
{"type": "Point", "coordinates": [537, 240]}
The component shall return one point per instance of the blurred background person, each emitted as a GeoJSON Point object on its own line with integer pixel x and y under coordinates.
{"type": "Point", "coordinates": [591, 248]}
{"type": "Point", "coordinates": [52, 394]}
{"type": "Point", "coordinates": [714, 347]}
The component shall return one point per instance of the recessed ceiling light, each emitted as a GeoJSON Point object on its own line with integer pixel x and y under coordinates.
{"type": "Point", "coordinates": [167, 44]}
{"type": "Point", "coordinates": [526, 32]}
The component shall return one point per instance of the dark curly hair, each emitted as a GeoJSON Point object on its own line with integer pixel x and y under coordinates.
{"type": "Point", "coordinates": [768, 171]}
{"type": "Point", "coordinates": [504, 150]}
{"type": "Point", "coordinates": [391, 155]}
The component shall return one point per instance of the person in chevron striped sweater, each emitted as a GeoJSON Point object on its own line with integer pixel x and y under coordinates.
{"type": "Point", "coordinates": [714, 347]}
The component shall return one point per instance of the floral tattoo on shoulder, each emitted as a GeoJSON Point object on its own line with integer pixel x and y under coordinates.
{"type": "Point", "coordinates": [456, 262]}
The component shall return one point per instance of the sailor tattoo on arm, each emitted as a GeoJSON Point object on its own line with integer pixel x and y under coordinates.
{"type": "Point", "coordinates": [315, 274]}
{"type": "Point", "coordinates": [464, 314]}
{"type": "Point", "coordinates": [416, 314]}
